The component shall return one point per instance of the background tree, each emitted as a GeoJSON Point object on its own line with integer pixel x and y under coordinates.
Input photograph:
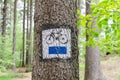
{"type": "Point", "coordinates": [6, 52]}
{"type": "Point", "coordinates": [23, 54]}
{"type": "Point", "coordinates": [4, 18]}
{"type": "Point", "coordinates": [30, 33]}
{"type": "Point", "coordinates": [55, 12]}
{"type": "Point", "coordinates": [14, 34]}
{"type": "Point", "coordinates": [92, 57]}
{"type": "Point", "coordinates": [27, 32]}
{"type": "Point", "coordinates": [1, 11]}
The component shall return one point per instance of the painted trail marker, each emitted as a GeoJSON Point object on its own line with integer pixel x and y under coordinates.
{"type": "Point", "coordinates": [56, 43]}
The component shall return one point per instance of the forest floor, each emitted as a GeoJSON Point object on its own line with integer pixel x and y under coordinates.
{"type": "Point", "coordinates": [110, 66]}
{"type": "Point", "coordinates": [27, 76]}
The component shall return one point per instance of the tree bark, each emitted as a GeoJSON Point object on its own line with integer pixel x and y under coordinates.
{"type": "Point", "coordinates": [92, 57]}
{"type": "Point", "coordinates": [93, 69]}
{"type": "Point", "coordinates": [11, 10]}
{"type": "Point", "coordinates": [4, 19]}
{"type": "Point", "coordinates": [60, 12]}
{"type": "Point", "coordinates": [23, 54]}
{"type": "Point", "coordinates": [14, 35]}
{"type": "Point", "coordinates": [1, 12]}
{"type": "Point", "coordinates": [27, 33]}
{"type": "Point", "coordinates": [3, 33]}
{"type": "Point", "coordinates": [30, 34]}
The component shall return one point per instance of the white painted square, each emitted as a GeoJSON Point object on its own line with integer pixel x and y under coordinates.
{"type": "Point", "coordinates": [56, 37]}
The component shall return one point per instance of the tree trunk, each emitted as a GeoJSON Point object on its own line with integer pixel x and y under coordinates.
{"type": "Point", "coordinates": [23, 54]}
{"type": "Point", "coordinates": [4, 19]}
{"type": "Point", "coordinates": [14, 34]}
{"type": "Point", "coordinates": [4, 27]}
{"type": "Point", "coordinates": [10, 15]}
{"type": "Point", "coordinates": [93, 69]}
{"type": "Point", "coordinates": [29, 31]}
{"type": "Point", "coordinates": [92, 58]}
{"type": "Point", "coordinates": [30, 34]}
{"type": "Point", "coordinates": [55, 14]}
{"type": "Point", "coordinates": [1, 12]}
{"type": "Point", "coordinates": [27, 34]}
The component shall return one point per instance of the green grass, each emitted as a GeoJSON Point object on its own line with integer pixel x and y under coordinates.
{"type": "Point", "coordinates": [6, 78]}
{"type": "Point", "coordinates": [10, 76]}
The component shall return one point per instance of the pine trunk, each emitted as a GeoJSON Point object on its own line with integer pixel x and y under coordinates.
{"type": "Point", "coordinates": [55, 12]}
{"type": "Point", "coordinates": [14, 34]}
{"type": "Point", "coordinates": [27, 34]}
{"type": "Point", "coordinates": [3, 33]}
{"type": "Point", "coordinates": [23, 54]}
{"type": "Point", "coordinates": [4, 19]}
{"type": "Point", "coordinates": [30, 34]}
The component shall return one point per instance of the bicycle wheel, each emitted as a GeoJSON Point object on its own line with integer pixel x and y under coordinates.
{"type": "Point", "coordinates": [49, 39]}
{"type": "Point", "coordinates": [63, 39]}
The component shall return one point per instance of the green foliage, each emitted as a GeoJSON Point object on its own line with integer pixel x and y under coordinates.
{"type": "Point", "coordinates": [106, 16]}
{"type": "Point", "coordinates": [82, 33]}
{"type": "Point", "coordinates": [6, 50]}
{"type": "Point", "coordinates": [1, 1]}
{"type": "Point", "coordinates": [108, 13]}
{"type": "Point", "coordinates": [5, 53]}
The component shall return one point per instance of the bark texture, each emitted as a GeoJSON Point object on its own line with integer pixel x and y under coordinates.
{"type": "Point", "coordinates": [93, 69]}
{"type": "Point", "coordinates": [58, 12]}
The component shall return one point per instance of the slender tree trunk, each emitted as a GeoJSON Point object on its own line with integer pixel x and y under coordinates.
{"type": "Point", "coordinates": [27, 33]}
{"type": "Point", "coordinates": [23, 54]}
{"type": "Point", "coordinates": [92, 58]}
{"type": "Point", "coordinates": [56, 13]}
{"type": "Point", "coordinates": [4, 26]}
{"type": "Point", "coordinates": [30, 34]}
{"type": "Point", "coordinates": [14, 34]}
{"type": "Point", "coordinates": [11, 14]}
{"type": "Point", "coordinates": [1, 12]}
{"type": "Point", "coordinates": [11, 18]}
{"type": "Point", "coordinates": [21, 57]}
{"type": "Point", "coordinates": [4, 18]}
{"type": "Point", "coordinates": [1, 23]}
